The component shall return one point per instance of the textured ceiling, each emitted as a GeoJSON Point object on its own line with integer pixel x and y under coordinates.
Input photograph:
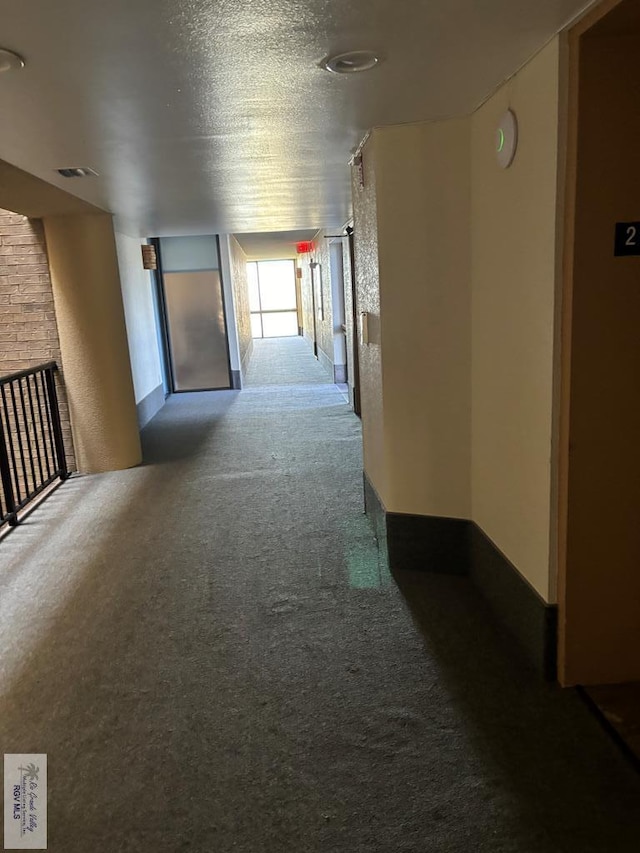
{"type": "Point", "coordinates": [213, 115]}
{"type": "Point", "coordinates": [269, 245]}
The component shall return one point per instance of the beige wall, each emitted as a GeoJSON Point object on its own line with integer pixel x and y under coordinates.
{"type": "Point", "coordinates": [93, 341]}
{"type": "Point", "coordinates": [306, 303]}
{"type": "Point", "coordinates": [365, 214]}
{"type": "Point", "coordinates": [348, 316]}
{"type": "Point", "coordinates": [238, 263]}
{"type": "Point", "coordinates": [423, 198]}
{"type": "Point", "coordinates": [299, 312]}
{"type": "Point", "coordinates": [513, 295]}
{"type": "Point", "coordinates": [324, 323]}
{"type": "Point", "coordinates": [458, 385]}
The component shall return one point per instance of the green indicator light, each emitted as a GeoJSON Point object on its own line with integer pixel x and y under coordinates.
{"type": "Point", "coordinates": [500, 139]}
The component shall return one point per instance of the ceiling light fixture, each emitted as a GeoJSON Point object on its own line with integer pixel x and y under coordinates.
{"type": "Point", "coordinates": [77, 172]}
{"type": "Point", "coordinates": [10, 61]}
{"type": "Point", "coordinates": [507, 139]}
{"type": "Point", "coordinates": [350, 63]}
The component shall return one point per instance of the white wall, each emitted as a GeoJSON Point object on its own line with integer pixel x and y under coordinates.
{"type": "Point", "coordinates": [137, 297]}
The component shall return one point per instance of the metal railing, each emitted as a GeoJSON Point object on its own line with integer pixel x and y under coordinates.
{"type": "Point", "coordinates": [31, 444]}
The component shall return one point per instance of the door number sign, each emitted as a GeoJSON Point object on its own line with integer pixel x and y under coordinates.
{"type": "Point", "coordinates": [627, 239]}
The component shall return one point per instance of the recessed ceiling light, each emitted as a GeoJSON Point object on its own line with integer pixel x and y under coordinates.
{"type": "Point", "coordinates": [10, 61]}
{"type": "Point", "coordinates": [77, 172]}
{"type": "Point", "coordinates": [351, 62]}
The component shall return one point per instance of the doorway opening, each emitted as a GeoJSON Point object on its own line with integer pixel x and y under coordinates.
{"type": "Point", "coordinates": [273, 298]}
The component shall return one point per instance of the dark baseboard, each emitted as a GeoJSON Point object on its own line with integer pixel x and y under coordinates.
{"type": "Point", "coordinates": [419, 542]}
{"type": "Point", "coordinates": [244, 361]}
{"type": "Point", "coordinates": [459, 547]}
{"type": "Point", "coordinates": [300, 331]}
{"type": "Point", "coordinates": [374, 508]}
{"type": "Point", "coordinates": [150, 405]}
{"type": "Point", "coordinates": [236, 379]}
{"type": "Point", "coordinates": [532, 621]}
{"type": "Point", "coordinates": [326, 362]}
{"type": "Point", "coordinates": [428, 543]}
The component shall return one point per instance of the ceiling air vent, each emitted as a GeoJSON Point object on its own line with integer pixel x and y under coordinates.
{"type": "Point", "coordinates": [78, 172]}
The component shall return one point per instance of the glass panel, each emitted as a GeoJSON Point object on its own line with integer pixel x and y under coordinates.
{"type": "Point", "coordinates": [252, 278]}
{"type": "Point", "coordinates": [195, 316]}
{"type": "Point", "coordinates": [280, 325]}
{"type": "Point", "coordinates": [277, 285]}
{"type": "Point", "coordinates": [182, 254]}
{"type": "Point", "coordinates": [256, 326]}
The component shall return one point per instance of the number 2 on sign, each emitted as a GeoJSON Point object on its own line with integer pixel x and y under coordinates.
{"type": "Point", "coordinates": [631, 236]}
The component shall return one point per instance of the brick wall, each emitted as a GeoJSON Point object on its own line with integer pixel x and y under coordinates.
{"type": "Point", "coordinates": [28, 330]}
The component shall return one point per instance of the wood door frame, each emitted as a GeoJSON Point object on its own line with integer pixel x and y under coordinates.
{"type": "Point", "coordinates": [568, 213]}
{"type": "Point", "coordinates": [357, 404]}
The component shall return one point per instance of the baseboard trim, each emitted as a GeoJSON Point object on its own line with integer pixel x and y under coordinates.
{"type": "Point", "coordinates": [150, 405]}
{"type": "Point", "coordinates": [532, 621]}
{"type": "Point", "coordinates": [460, 547]}
{"type": "Point", "coordinates": [326, 362]}
{"type": "Point", "coordinates": [236, 380]}
{"type": "Point", "coordinates": [424, 543]}
{"type": "Point", "coordinates": [244, 361]}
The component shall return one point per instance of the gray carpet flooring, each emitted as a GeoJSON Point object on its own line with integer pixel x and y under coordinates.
{"type": "Point", "coordinates": [214, 657]}
{"type": "Point", "coordinates": [284, 361]}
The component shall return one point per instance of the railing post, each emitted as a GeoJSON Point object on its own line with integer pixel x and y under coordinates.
{"type": "Point", "coordinates": [57, 426]}
{"type": "Point", "coordinates": [7, 485]}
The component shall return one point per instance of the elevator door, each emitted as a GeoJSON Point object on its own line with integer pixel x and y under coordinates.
{"type": "Point", "coordinates": [195, 316]}
{"type": "Point", "coordinates": [197, 330]}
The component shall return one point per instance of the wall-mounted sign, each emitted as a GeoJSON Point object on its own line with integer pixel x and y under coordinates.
{"type": "Point", "coordinates": [627, 239]}
{"type": "Point", "coordinates": [149, 260]}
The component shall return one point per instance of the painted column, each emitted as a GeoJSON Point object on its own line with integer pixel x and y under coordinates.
{"type": "Point", "coordinates": [93, 341]}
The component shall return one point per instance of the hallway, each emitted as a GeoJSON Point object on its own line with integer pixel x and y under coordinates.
{"type": "Point", "coordinates": [213, 657]}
